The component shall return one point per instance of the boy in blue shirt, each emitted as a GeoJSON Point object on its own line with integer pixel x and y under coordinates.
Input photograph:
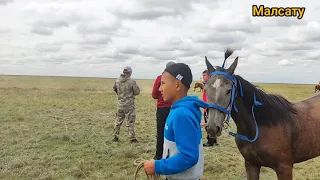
{"type": "Point", "coordinates": [182, 149]}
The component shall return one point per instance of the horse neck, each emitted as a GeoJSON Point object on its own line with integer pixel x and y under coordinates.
{"type": "Point", "coordinates": [243, 118]}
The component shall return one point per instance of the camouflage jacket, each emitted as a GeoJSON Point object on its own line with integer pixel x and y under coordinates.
{"type": "Point", "coordinates": [126, 89]}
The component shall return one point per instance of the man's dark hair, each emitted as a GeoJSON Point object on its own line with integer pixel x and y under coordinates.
{"type": "Point", "coordinates": [205, 71]}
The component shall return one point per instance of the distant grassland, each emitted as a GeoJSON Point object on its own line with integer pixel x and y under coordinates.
{"type": "Point", "coordinates": [61, 128]}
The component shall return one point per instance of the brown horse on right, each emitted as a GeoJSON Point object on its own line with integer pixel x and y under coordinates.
{"type": "Point", "coordinates": [317, 88]}
{"type": "Point", "coordinates": [271, 131]}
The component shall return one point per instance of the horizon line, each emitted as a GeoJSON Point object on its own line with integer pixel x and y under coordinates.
{"type": "Point", "coordinates": [99, 77]}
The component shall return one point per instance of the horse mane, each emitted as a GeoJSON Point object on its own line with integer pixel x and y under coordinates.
{"type": "Point", "coordinates": [276, 109]}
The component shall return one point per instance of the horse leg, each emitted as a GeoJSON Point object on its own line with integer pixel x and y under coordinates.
{"type": "Point", "coordinates": [284, 171]}
{"type": "Point", "coordinates": [253, 171]}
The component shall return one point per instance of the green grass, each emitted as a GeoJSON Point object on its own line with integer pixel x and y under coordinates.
{"type": "Point", "coordinates": [61, 128]}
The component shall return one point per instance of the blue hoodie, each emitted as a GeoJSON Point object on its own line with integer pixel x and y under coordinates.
{"type": "Point", "coordinates": [182, 148]}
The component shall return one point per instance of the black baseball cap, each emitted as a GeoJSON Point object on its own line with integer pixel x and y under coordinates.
{"type": "Point", "coordinates": [181, 72]}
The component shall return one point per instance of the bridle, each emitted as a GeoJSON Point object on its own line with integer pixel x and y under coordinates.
{"type": "Point", "coordinates": [232, 105]}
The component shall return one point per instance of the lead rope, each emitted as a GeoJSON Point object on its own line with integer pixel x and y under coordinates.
{"type": "Point", "coordinates": [139, 163]}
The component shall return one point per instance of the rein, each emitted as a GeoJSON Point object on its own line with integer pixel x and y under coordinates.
{"type": "Point", "coordinates": [139, 163]}
{"type": "Point", "coordinates": [232, 105]}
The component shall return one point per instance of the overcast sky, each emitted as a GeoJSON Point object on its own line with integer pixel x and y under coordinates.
{"type": "Point", "coordinates": [99, 37]}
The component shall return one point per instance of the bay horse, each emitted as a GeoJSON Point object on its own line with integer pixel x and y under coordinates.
{"type": "Point", "coordinates": [271, 131]}
{"type": "Point", "coordinates": [198, 85]}
{"type": "Point", "coordinates": [317, 88]}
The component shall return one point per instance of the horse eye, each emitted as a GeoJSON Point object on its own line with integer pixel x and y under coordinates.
{"type": "Point", "coordinates": [229, 90]}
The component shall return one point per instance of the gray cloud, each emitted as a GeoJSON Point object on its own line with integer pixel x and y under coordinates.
{"type": "Point", "coordinates": [309, 35]}
{"type": "Point", "coordinates": [4, 30]}
{"type": "Point", "coordinates": [5, 61]}
{"type": "Point", "coordinates": [115, 56]}
{"type": "Point", "coordinates": [174, 41]}
{"type": "Point", "coordinates": [294, 47]}
{"type": "Point", "coordinates": [85, 34]}
{"type": "Point", "coordinates": [102, 29]}
{"type": "Point", "coordinates": [223, 38]}
{"type": "Point", "coordinates": [314, 55]}
{"type": "Point", "coordinates": [47, 27]}
{"type": "Point", "coordinates": [284, 22]}
{"type": "Point", "coordinates": [102, 60]}
{"type": "Point", "coordinates": [287, 40]}
{"type": "Point", "coordinates": [169, 55]}
{"type": "Point", "coordinates": [83, 46]}
{"type": "Point", "coordinates": [160, 55]}
{"type": "Point", "coordinates": [180, 6]}
{"type": "Point", "coordinates": [307, 63]}
{"type": "Point", "coordinates": [46, 47]}
{"type": "Point", "coordinates": [42, 30]}
{"type": "Point", "coordinates": [169, 49]}
{"type": "Point", "coordinates": [213, 55]}
{"type": "Point", "coordinates": [238, 23]}
{"type": "Point", "coordinates": [299, 53]}
{"type": "Point", "coordinates": [150, 10]}
{"type": "Point", "coordinates": [58, 58]}
{"type": "Point", "coordinates": [5, 2]}
{"type": "Point", "coordinates": [146, 13]}
{"type": "Point", "coordinates": [96, 39]}
{"type": "Point", "coordinates": [317, 8]}
{"type": "Point", "coordinates": [305, 33]}
{"type": "Point", "coordinates": [130, 50]}
{"type": "Point", "coordinates": [44, 19]}
{"type": "Point", "coordinates": [285, 62]}
{"type": "Point", "coordinates": [270, 53]}
{"type": "Point", "coordinates": [51, 24]}
{"type": "Point", "coordinates": [48, 57]}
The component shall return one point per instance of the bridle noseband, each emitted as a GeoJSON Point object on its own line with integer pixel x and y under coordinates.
{"type": "Point", "coordinates": [232, 105]}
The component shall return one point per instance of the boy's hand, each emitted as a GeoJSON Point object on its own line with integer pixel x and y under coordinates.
{"type": "Point", "coordinates": [149, 167]}
{"type": "Point", "coordinates": [203, 124]}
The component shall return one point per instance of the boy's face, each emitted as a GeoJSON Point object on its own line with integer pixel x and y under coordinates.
{"type": "Point", "coordinates": [169, 87]}
{"type": "Point", "coordinates": [205, 76]}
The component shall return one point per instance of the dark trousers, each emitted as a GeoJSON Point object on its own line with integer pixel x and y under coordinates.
{"type": "Point", "coordinates": [211, 141]}
{"type": "Point", "coordinates": [162, 114]}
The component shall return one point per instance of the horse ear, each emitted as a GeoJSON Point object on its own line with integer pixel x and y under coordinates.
{"type": "Point", "coordinates": [209, 66]}
{"type": "Point", "coordinates": [233, 66]}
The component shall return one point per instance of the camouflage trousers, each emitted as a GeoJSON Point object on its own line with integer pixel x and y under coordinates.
{"type": "Point", "coordinates": [130, 114]}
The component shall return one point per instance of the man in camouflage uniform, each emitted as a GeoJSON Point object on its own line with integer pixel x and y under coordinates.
{"type": "Point", "coordinates": [126, 89]}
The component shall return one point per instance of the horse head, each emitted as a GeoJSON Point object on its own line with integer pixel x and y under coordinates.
{"type": "Point", "coordinates": [220, 91]}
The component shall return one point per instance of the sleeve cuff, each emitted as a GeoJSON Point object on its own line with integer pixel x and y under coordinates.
{"type": "Point", "coordinates": [157, 166]}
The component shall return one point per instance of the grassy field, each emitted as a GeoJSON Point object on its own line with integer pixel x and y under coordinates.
{"type": "Point", "coordinates": [61, 128]}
